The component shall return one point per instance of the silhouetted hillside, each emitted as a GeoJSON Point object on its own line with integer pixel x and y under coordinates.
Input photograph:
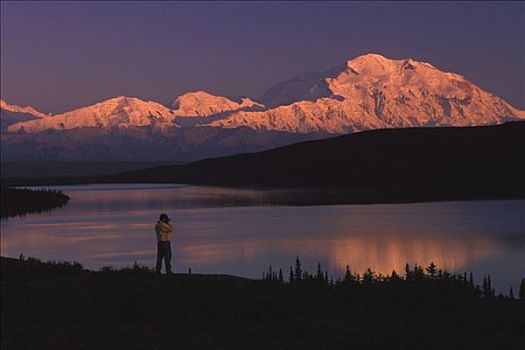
{"type": "Point", "coordinates": [62, 306]}
{"type": "Point", "coordinates": [381, 165]}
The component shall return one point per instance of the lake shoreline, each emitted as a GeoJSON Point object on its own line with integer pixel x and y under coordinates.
{"type": "Point", "coordinates": [239, 230]}
{"type": "Point", "coordinates": [22, 201]}
{"type": "Point", "coordinates": [293, 196]}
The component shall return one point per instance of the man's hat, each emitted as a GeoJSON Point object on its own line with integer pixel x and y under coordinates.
{"type": "Point", "coordinates": [164, 217]}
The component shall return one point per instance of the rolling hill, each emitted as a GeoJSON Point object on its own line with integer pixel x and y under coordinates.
{"type": "Point", "coordinates": [390, 165]}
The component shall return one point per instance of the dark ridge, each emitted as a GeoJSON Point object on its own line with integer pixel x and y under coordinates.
{"type": "Point", "coordinates": [413, 164]}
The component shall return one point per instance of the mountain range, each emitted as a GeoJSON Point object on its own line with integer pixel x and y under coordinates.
{"type": "Point", "coordinates": [367, 92]}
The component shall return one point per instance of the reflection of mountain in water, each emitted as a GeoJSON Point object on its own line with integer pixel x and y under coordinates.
{"type": "Point", "coordinates": [385, 254]}
{"type": "Point", "coordinates": [381, 253]}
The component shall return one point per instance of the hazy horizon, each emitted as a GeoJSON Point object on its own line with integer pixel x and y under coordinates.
{"type": "Point", "coordinates": [60, 56]}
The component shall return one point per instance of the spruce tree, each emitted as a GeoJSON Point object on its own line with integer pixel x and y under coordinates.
{"type": "Point", "coordinates": [281, 278]}
{"type": "Point", "coordinates": [488, 292]}
{"type": "Point", "coordinates": [319, 275]}
{"type": "Point", "coordinates": [489, 284]}
{"type": "Point", "coordinates": [368, 276]}
{"type": "Point", "coordinates": [298, 271]}
{"type": "Point", "coordinates": [418, 273]}
{"type": "Point", "coordinates": [522, 290]}
{"type": "Point", "coordinates": [394, 276]}
{"type": "Point", "coordinates": [291, 275]}
{"type": "Point", "coordinates": [348, 274]}
{"type": "Point", "coordinates": [432, 270]}
{"type": "Point", "coordinates": [511, 294]}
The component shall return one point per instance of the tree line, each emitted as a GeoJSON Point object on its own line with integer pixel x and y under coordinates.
{"type": "Point", "coordinates": [22, 201]}
{"type": "Point", "coordinates": [426, 280]}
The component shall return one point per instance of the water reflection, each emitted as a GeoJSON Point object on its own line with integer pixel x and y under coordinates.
{"type": "Point", "coordinates": [231, 231]}
{"type": "Point", "coordinates": [384, 254]}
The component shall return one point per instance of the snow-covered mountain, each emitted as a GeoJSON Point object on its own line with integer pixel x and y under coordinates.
{"type": "Point", "coordinates": [122, 112]}
{"type": "Point", "coordinates": [119, 112]}
{"type": "Point", "coordinates": [203, 104]}
{"type": "Point", "coordinates": [371, 92]}
{"type": "Point", "coordinates": [25, 110]}
{"type": "Point", "coordinates": [12, 114]}
{"type": "Point", "coordinates": [367, 92]}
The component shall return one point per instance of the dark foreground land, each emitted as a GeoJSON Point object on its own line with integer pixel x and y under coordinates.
{"type": "Point", "coordinates": [62, 306]}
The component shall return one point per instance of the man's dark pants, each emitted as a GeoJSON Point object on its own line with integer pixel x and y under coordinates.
{"type": "Point", "coordinates": [164, 252]}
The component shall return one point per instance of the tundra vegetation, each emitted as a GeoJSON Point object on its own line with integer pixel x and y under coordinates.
{"type": "Point", "coordinates": [62, 305]}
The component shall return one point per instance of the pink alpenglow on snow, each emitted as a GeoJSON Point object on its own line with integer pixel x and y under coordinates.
{"type": "Point", "coordinates": [371, 92]}
{"type": "Point", "coordinates": [367, 92]}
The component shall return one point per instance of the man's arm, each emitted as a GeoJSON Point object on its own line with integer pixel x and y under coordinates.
{"type": "Point", "coordinates": [157, 231]}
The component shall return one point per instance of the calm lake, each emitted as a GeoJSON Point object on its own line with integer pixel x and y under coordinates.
{"type": "Point", "coordinates": [237, 231]}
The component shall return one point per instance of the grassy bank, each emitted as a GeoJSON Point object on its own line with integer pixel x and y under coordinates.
{"type": "Point", "coordinates": [52, 306]}
{"type": "Point", "coordinates": [21, 201]}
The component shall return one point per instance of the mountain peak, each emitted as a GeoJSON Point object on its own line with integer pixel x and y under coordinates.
{"type": "Point", "coordinates": [372, 91]}
{"type": "Point", "coordinates": [116, 112]}
{"type": "Point", "coordinates": [204, 104]}
{"type": "Point", "coordinates": [369, 57]}
{"type": "Point", "coordinates": [198, 93]}
{"type": "Point", "coordinates": [122, 101]}
{"type": "Point", "coordinates": [373, 64]}
{"type": "Point", "coordinates": [377, 64]}
{"type": "Point", "coordinates": [368, 92]}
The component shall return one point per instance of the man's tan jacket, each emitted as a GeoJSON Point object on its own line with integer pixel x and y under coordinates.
{"type": "Point", "coordinates": [163, 231]}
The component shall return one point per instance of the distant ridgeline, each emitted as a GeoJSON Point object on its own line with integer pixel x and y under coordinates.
{"type": "Point", "coordinates": [18, 201]}
{"type": "Point", "coordinates": [392, 165]}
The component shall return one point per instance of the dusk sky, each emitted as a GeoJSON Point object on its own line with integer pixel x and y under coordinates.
{"type": "Point", "coordinates": [57, 56]}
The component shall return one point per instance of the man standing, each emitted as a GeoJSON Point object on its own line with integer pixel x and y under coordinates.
{"type": "Point", "coordinates": [163, 230]}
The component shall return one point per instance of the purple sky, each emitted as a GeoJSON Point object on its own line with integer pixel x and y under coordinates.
{"type": "Point", "coordinates": [58, 56]}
